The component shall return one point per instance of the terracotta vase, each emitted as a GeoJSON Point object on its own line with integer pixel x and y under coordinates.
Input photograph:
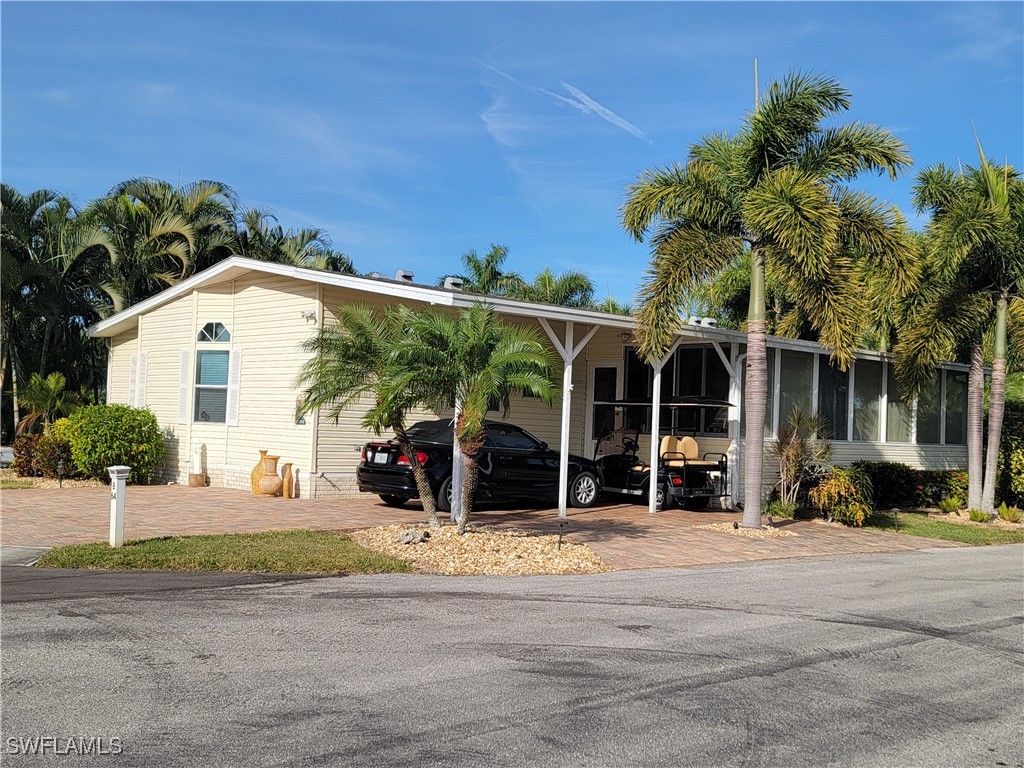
{"type": "Point", "coordinates": [287, 490]}
{"type": "Point", "coordinates": [270, 485]}
{"type": "Point", "coordinates": [257, 473]}
{"type": "Point", "coordinates": [271, 482]}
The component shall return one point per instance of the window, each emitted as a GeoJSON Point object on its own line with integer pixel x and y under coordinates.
{"type": "Point", "coordinates": [213, 332]}
{"type": "Point", "coordinates": [956, 408]}
{"type": "Point", "coordinates": [867, 399]}
{"type": "Point", "coordinates": [833, 398]}
{"type": "Point", "coordinates": [211, 386]}
{"type": "Point", "coordinates": [928, 411]}
{"type": "Point", "coordinates": [797, 369]}
{"type": "Point", "coordinates": [899, 413]}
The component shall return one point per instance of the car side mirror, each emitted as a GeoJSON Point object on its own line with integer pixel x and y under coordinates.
{"type": "Point", "coordinates": [543, 445]}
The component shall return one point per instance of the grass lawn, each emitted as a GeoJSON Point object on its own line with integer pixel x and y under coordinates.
{"type": "Point", "coordinates": [9, 484]}
{"type": "Point", "coordinates": [919, 524]}
{"type": "Point", "coordinates": [273, 552]}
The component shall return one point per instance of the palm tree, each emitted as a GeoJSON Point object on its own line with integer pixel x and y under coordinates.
{"type": "Point", "coordinates": [484, 275]}
{"type": "Point", "coordinates": [207, 206]}
{"type": "Point", "coordinates": [568, 289]}
{"type": "Point", "coordinates": [355, 359]}
{"type": "Point", "coordinates": [150, 251]}
{"type": "Point", "coordinates": [261, 237]}
{"type": "Point", "coordinates": [971, 295]}
{"type": "Point", "coordinates": [776, 191]}
{"type": "Point", "coordinates": [613, 307]}
{"type": "Point", "coordinates": [47, 399]}
{"type": "Point", "coordinates": [478, 361]}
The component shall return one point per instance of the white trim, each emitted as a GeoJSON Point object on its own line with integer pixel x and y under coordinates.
{"type": "Point", "coordinates": [851, 401]}
{"type": "Point", "coordinates": [184, 384]}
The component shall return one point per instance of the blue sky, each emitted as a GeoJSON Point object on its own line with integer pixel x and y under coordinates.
{"type": "Point", "coordinates": [414, 132]}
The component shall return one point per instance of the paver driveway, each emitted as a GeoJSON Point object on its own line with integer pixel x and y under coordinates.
{"type": "Point", "coordinates": [624, 535]}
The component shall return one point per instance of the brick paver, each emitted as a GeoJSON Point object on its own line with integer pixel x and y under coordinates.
{"type": "Point", "coordinates": [626, 536]}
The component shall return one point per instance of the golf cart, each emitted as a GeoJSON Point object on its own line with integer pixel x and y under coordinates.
{"type": "Point", "coordinates": [686, 477]}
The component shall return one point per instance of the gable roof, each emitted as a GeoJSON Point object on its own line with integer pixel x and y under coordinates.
{"type": "Point", "coordinates": [236, 266]}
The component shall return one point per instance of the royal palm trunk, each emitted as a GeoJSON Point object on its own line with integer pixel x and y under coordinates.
{"type": "Point", "coordinates": [755, 395]}
{"type": "Point", "coordinates": [995, 409]}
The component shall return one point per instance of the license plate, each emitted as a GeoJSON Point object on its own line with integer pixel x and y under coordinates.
{"type": "Point", "coordinates": [380, 458]}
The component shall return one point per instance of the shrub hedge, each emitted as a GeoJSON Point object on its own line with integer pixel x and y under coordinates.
{"type": "Point", "coordinates": [51, 451]}
{"type": "Point", "coordinates": [898, 485]}
{"type": "Point", "coordinates": [106, 435]}
{"type": "Point", "coordinates": [25, 455]}
{"type": "Point", "coordinates": [1010, 482]}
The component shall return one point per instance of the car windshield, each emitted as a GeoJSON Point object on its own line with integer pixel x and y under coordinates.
{"type": "Point", "coordinates": [431, 432]}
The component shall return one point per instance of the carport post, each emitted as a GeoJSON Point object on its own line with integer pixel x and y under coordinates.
{"type": "Point", "coordinates": [568, 352]}
{"type": "Point", "coordinates": [118, 477]}
{"type": "Point", "coordinates": [652, 495]}
{"type": "Point", "coordinates": [457, 467]}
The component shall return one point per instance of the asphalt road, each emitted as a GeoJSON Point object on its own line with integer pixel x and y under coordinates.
{"type": "Point", "coordinates": [913, 659]}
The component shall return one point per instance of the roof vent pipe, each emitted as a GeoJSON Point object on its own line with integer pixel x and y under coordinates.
{"type": "Point", "coordinates": [710, 322]}
{"type": "Point", "coordinates": [693, 321]}
{"type": "Point", "coordinates": [378, 276]}
{"type": "Point", "coordinates": [404, 275]}
{"type": "Point", "coordinates": [454, 283]}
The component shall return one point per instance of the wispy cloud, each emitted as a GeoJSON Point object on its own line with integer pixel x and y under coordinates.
{"type": "Point", "coordinates": [988, 34]}
{"type": "Point", "coordinates": [604, 113]}
{"type": "Point", "coordinates": [580, 101]}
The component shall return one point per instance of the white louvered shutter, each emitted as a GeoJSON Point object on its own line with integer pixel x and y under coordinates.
{"type": "Point", "coordinates": [133, 372]}
{"type": "Point", "coordinates": [234, 375]}
{"type": "Point", "coordinates": [141, 380]}
{"type": "Point", "coordinates": [184, 385]}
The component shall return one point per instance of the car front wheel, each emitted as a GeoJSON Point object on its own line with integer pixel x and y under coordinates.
{"type": "Point", "coordinates": [583, 490]}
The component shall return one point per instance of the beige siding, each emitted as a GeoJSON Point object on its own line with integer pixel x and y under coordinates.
{"type": "Point", "coordinates": [267, 328]}
{"type": "Point", "coordinates": [122, 347]}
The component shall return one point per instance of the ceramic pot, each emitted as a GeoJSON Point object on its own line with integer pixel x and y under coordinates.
{"type": "Point", "coordinates": [270, 485]}
{"type": "Point", "coordinates": [257, 473]}
{"type": "Point", "coordinates": [287, 490]}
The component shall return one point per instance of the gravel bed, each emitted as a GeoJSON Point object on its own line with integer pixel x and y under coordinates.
{"type": "Point", "coordinates": [750, 533]}
{"type": "Point", "coordinates": [482, 550]}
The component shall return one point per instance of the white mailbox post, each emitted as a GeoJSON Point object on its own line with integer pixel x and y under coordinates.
{"type": "Point", "coordinates": [118, 478]}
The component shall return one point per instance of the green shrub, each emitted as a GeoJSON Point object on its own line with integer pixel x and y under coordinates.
{"type": "Point", "coordinates": [781, 509]}
{"type": "Point", "coordinates": [106, 435]}
{"type": "Point", "coordinates": [25, 455]}
{"type": "Point", "coordinates": [1010, 514]}
{"type": "Point", "coordinates": [845, 496]}
{"type": "Point", "coordinates": [50, 452]}
{"type": "Point", "coordinates": [897, 485]}
{"type": "Point", "coordinates": [978, 516]}
{"type": "Point", "coordinates": [1010, 479]}
{"type": "Point", "coordinates": [949, 505]}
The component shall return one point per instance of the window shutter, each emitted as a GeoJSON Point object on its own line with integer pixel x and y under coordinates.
{"type": "Point", "coordinates": [142, 380]}
{"type": "Point", "coordinates": [234, 374]}
{"type": "Point", "coordinates": [183, 387]}
{"type": "Point", "coordinates": [133, 372]}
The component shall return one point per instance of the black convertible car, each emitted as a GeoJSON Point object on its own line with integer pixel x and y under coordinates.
{"type": "Point", "coordinates": [513, 466]}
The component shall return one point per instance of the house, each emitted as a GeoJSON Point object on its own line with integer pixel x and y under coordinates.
{"type": "Point", "coordinates": [216, 358]}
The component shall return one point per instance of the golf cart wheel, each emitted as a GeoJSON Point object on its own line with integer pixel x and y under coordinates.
{"type": "Point", "coordinates": [663, 498]}
{"type": "Point", "coordinates": [584, 490]}
{"type": "Point", "coordinates": [392, 500]}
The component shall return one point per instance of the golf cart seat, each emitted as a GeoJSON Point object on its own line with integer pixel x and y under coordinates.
{"type": "Point", "coordinates": [684, 452]}
{"type": "Point", "coordinates": [640, 468]}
